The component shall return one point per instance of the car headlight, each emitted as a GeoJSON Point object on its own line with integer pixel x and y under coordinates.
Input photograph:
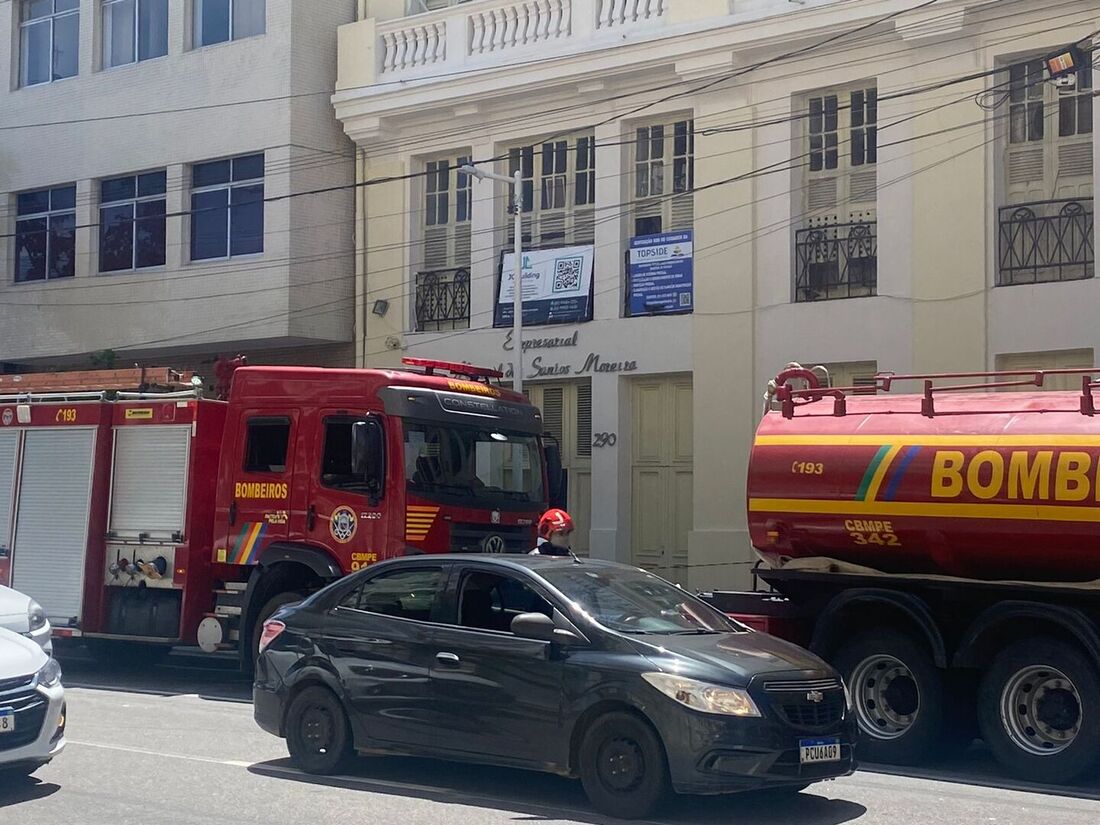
{"type": "Point", "coordinates": [703, 696]}
{"type": "Point", "coordinates": [36, 616]}
{"type": "Point", "coordinates": [50, 674]}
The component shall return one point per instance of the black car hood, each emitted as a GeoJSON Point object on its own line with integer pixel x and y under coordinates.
{"type": "Point", "coordinates": [733, 658]}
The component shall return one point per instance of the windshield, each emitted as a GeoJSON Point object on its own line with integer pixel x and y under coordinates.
{"type": "Point", "coordinates": [633, 601]}
{"type": "Point", "coordinates": [470, 462]}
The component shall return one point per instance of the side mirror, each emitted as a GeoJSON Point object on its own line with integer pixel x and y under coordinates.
{"type": "Point", "coordinates": [541, 627]}
{"type": "Point", "coordinates": [555, 474]}
{"type": "Point", "coordinates": [368, 454]}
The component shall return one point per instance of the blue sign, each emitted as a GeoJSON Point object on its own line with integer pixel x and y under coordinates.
{"type": "Point", "coordinates": [661, 272]}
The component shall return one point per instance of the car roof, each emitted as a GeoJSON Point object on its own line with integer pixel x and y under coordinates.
{"type": "Point", "coordinates": [515, 561]}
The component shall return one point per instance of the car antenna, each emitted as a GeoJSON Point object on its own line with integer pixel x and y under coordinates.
{"type": "Point", "coordinates": [576, 558]}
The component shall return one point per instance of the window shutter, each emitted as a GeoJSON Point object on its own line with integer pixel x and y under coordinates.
{"type": "Point", "coordinates": [553, 414]}
{"type": "Point", "coordinates": [584, 419]}
{"type": "Point", "coordinates": [822, 194]}
{"type": "Point", "coordinates": [462, 245]}
{"type": "Point", "coordinates": [435, 248]}
{"type": "Point", "coordinates": [584, 226]}
{"type": "Point", "coordinates": [682, 213]}
{"type": "Point", "coordinates": [864, 186]}
{"type": "Point", "coordinates": [1075, 160]}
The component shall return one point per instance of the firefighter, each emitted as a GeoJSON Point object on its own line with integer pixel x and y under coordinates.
{"type": "Point", "coordinates": [555, 534]}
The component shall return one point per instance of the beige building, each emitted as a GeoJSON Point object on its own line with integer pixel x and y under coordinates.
{"type": "Point", "coordinates": [868, 185]}
{"type": "Point", "coordinates": [153, 156]}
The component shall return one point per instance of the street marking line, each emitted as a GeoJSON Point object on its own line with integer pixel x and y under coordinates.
{"type": "Point", "coordinates": [230, 762]}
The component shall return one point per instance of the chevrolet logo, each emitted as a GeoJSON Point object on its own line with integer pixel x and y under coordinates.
{"type": "Point", "coordinates": [815, 696]}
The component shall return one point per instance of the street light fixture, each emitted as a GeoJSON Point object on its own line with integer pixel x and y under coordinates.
{"type": "Point", "coordinates": [516, 182]}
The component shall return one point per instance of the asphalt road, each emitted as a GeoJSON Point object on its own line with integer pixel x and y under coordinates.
{"type": "Point", "coordinates": [177, 746]}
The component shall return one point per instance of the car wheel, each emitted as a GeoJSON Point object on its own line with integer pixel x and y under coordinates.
{"type": "Point", "coordinates": [897, 694]}
{"type": "Point", "coordinates": [1039, 711]}
{"type": "Point", "coordinates": [623, 767]}
{"type": "Point", "coordinates": [318, 735]}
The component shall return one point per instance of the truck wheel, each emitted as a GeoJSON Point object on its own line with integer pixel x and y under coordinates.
{"type": "Point", "coordinates": [1039, 710]}
{"type": "Point", "coordinates": [897, 694]}
{"type": "Point", "coordinates": [269, 608]}
{"type": "Point", "coordinates": [318, 735]}
{"type": "Point", "coordinates": [622, 766]}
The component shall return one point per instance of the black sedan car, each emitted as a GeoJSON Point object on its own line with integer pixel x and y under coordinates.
{"type": "Point", "coordinates": [578, 667]}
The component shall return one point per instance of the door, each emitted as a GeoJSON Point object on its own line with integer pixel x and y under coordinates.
{"type": "Point", "coordinates": [567, 415]}
{"type": "Point", "coordinates": [497, 694]}
{"type": "Point", "coordinates": [661, 482]}
{"type": "Point", "coordinates": [51, 523]}
{"type": "Point", "coordinates": [9, 447]}
{"type": "Point", "coordinates": [259, 491]}
{"type": "Point", "coordinates": [378, 638]}
{"type": "Point", "coordinates": [340, 511]}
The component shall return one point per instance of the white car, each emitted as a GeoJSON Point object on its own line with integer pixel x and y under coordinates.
{"type": "Point", "coordinates": [32, 705]}
{"type": "Point", "coordinates": [23, 615]}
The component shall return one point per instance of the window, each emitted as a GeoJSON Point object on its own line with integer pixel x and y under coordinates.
{"type": "Point", "coordinates": [227, 208]}
{"type": "Point", "coordinates": [336, 466]}
{"type": "Point", "coordinates": [842, 131]}
{"type": "Point", "coordinates": [268, 439]}
{"type": "Point", "coordinates": [448, 201]}
{"type": "Point", "coordinates": [1067, 359]}
{"type": "Point", "coordinates": [405, 594]}
{"type": "Point", "coordinates": [488, 601]}
{"type": "Point", "coordinates": [132, 222]}
{"type": "Point", "coordinates": [45, 234]}
{"type": "Point", "coordinates": [664, 177]}
{"type": "Point", "coordinates": [217, 21]}
{"type": "Point", "coordinates": [557, 193]}
{"type": "Point", "coordinates": [49, 35]}
{"type": "Point", "coordinates": [134, 30]}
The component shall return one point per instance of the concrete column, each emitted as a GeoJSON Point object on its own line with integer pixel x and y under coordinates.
{"type": "Point", "coordinates": [387, 266]}
{"type": "Point", "coordinates": [177, 229]}
{"type": "Point", "coordinates": [87, 239]}
{"type": "Point", "coordinates": [179, 27]}
{"type": "Point", "coordinates": [485, 241]}
{"type": "Point", "coordinates": [90, 21]}
{"type": "Point", "coordinates": [724, 391]}
{"type": "Point", "coordinates": [610, 226]}
{"type": "Point", "coordinates": [611, 486]}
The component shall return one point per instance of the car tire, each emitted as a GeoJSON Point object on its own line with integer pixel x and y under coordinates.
{"type": "Point", "coordinates": [1030, 684]}
{"type": "Point", "coordinates": [623, 767]}
{"type": "Point", "coordinates": [266, 612]}
{"type": "Point", "coordinates": [900, 720]}
{"type": "Point", "coordinates": [318, 735]}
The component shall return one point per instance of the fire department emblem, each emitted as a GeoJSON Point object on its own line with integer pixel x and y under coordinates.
{"type": "Point", "coordinates": [342, 524]}
{"type": "Point", "coordinates": [494, 517]}
{"type": "Point", "coordinates": [7, 417]}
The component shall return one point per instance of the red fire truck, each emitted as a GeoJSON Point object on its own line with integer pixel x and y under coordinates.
{"type": "Point", "coordinates": [941, 549]}
{"type": "Point", "coordinates": [156, 515]}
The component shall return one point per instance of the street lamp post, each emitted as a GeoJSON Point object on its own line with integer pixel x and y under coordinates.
{"type": "Point", "coordinates": [516, 182]}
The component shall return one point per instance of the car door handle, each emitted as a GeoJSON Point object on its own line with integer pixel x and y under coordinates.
{"type": "Point", "coordinates": [447, 658]}
{"type": "Point", "coordinates": [311, 517]}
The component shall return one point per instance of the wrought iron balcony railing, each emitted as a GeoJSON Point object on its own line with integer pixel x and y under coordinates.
{"type": "Point", "coordinates": [442, 300]}
{"type": "Point", "coordinates": [1045, 241]}
{"type": "Point", "coordinates": [836, 261]}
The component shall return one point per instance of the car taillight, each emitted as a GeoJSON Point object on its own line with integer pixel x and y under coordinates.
{"type": "Point", "coordinates": [272, 629]}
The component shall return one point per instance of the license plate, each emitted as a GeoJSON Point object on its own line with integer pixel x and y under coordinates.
{"type": "Point", "coordinates": [819, 750]}
{"type": "Point", "coordinates": [7, 721]}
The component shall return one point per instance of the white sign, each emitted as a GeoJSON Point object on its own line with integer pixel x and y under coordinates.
{"type": "Point", "coordinates": [557, 286]}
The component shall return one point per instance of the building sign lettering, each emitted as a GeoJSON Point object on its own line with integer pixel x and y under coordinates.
{"type": "Point", "coordinates": [593, 363]}
{"type": "Point", "coordinates": [541, 343]}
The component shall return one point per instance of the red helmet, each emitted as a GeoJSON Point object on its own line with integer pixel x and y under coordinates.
{"type": "Point", "coordinates": [555, 521]}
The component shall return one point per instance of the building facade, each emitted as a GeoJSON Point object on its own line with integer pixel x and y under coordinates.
{"type": "Point", "coordinates": [710, 190]}
{"type": "Point", "coordinates": [154, 156]}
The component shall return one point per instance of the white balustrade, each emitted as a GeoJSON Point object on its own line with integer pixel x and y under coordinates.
{"type": "Point", "coordinates": [518, 24]}
{"type": "Point", "coordinates": [414, 46]}
{"type": "Point", "coordinates": [628, 12]}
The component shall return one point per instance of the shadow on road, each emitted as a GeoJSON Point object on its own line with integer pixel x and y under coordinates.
{"type": "Point", "coordinates": [215, 678]}
{"type": "Point", "coordinates": [541, 797]}
{"type": "Point", "coordinates": [19, 789]}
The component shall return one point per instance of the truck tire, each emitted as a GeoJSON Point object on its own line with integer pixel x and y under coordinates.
{"type": "Point", "coordinates": [897, 693]}
{"type": "Point", "coordinates": [269, 608]}
{"type": "Point", "coordinates": [622, 766]}
{"type": "Point", "coordinates": [1039, 710]}
{"type": "Point", "coordinates": [318, 735]}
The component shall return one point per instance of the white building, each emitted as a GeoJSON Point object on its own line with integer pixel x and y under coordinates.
{"type": "Point", "coordinates": [153, 156]}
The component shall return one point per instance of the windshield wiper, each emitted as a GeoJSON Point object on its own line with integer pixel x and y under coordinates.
{"type": "Point", "coordinates": [699, 631]}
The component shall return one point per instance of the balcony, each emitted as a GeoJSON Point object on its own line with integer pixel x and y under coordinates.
{"type": "Point", "coordinates": [442, 300]}
{"type": "Point", "coordinates": [836, 261]}
{"type": "Point", "coordinates": [485, 30]}
{"type": "Point", "coordinates": [1045, 241]}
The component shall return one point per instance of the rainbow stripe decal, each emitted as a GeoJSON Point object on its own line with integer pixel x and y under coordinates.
{"type": "Point", "coordinates": [418, 521]}
{"type": "Point", "coordinates": [879, 469]}
{"type": "Point", "coordinates": [248, 542]}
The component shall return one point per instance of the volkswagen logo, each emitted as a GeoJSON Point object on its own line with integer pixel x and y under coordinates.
{"type": "Point", "coordinates": [815, 696]}
{"type": "Point", "coordinates": [493, 544]}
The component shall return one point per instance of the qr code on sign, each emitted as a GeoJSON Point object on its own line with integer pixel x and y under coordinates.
{"type": "Point", "coordinates": [567, 274]}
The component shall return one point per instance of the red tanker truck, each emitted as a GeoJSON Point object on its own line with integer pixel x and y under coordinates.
{"type": "Point", "coordinates": [942, 550]}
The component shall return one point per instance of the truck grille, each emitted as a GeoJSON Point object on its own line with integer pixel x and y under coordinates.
{"type": "Point", "coordinates": [30, 712]}
{"type": "Point", "coordinates": [470, 538]}
{"type": "Point", "coordinates": [809, 704]}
